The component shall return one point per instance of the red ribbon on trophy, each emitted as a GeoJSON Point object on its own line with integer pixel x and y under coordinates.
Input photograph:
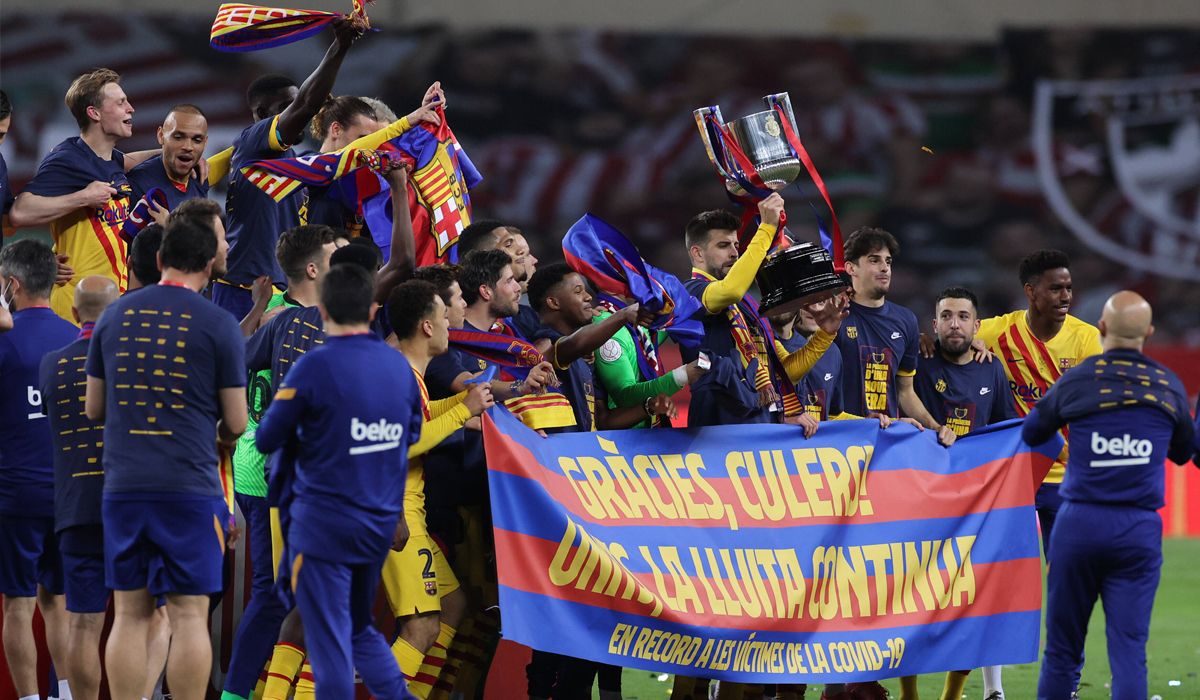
{"type": "Point", "coordinates": [773, 139]}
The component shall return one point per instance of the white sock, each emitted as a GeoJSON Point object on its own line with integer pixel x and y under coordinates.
{"type": "Point", "coordinates": [991, 681]}
{"type": "Point", "coordinates": [64, 690]}
{"type": "Point", "coordinates": [31, 697]}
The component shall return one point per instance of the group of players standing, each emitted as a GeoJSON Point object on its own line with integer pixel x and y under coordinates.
{"type": "Point", "coordinates": [158, 408]}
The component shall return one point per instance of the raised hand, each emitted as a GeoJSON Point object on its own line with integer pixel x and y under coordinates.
{"type": "Point", "coordinates": [829, 314]}
{"type": "Point", "coordinates": [771, 209]}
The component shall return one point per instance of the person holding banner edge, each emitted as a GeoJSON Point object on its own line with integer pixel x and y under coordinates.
{"type": "Point", "coordinates": [963, 395]}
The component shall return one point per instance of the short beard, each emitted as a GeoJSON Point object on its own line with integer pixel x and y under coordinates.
{"type": "Point", "coordinates": [499, 312]}
{"type": "Point", "coordinates": [952, 352]}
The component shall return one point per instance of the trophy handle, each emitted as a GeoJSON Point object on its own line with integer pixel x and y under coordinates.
{"type": "Point", "coordinates": [718, 160]}
{"type": "Point", "coordinates": [782, 99]}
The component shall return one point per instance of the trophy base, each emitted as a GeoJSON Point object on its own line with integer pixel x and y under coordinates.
{"type": "Point", "coordinates": [796, 277]}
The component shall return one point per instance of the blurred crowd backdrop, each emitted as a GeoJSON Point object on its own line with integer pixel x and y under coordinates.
{"type": "Point", "coordinates": [973, 154]}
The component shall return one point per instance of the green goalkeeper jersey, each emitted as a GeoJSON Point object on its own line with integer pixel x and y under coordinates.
{"type": "Point", "coordinates": [250, 465]}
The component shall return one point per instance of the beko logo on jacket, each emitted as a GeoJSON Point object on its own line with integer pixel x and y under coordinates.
{"type": "Point", "coordinates": [1126, 450]}
{"type": "Point", "coordinates": [381, 435]}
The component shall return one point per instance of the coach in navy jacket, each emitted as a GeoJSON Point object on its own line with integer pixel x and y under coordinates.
{"type": "Point", "coordinates": [1127, 414]}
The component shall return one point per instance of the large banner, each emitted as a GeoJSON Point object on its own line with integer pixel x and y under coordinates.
{"type": "Point", "coordinates": [749, 553]}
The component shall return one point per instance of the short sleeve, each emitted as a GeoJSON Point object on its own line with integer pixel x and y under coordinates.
{"type": "Point", "coordinates": [529, 325]}
{"type": "Point", "coordinates": [95, 356]}
{"type": "Point", "coordinates": [258, 347]}
{"type": "Point", "coordinates": [57, 176]}
{"type": "Point", "coordinates": [259, 140]}
{"type": "Point", "coordinates": [443, 370]}
{"type": "Point", "coordinates": [231, 354]}
{"type": "Point", "coordinates": [908, 363]}
{"type": "Point", "coordinates": [1003, 409]}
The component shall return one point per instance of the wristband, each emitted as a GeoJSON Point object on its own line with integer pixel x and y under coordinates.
{"type": "Point", "coordinates": [515, 387]}
{"type": "Point", "coordinates": [646, 406]}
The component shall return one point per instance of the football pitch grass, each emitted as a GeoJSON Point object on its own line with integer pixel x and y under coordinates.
{"type": "Point", "coordinates": [1173, 655]}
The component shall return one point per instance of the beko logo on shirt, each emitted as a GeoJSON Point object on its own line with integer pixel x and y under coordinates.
{"type": "Point", "coordinates": [34, 397]}
{"type": "Point", "coordinates": [381, 434]}
{"type": "Point", "coordinates": [1126, 450]}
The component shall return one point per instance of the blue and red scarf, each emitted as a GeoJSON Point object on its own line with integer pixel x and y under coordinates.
{"type": "Point", "coordinates": [514, 356]}
{"type": "Point", "coordinates": [240, 27]}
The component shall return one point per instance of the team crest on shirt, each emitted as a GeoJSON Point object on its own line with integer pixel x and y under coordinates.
{"type": "Point", "coordinates": [431, 587]}
{"type": "Point", "coordinates": [482, 364]}
{"type": "Point", "coordinates": [1066, 362]}
{"type": "Point", "coordinates": [940, 386]}
{"type": "Point", "coordinates": [852, 332]}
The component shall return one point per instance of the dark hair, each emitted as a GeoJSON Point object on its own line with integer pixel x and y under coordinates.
{"type": "Point", "coordinates": [299, 246]}
{"type": "Point", "coordinates": [143, 254]}
{"type": "Point", "coordinates": [408, 304]}
{"type": "Point", "coordinates": [441, 277]}
{"type": "Point", "coordinates": [188, 245]}
{"type": "Point", "coordinates": [544, 280]}
{"type": "Point", "coordinates": [5, 105]}
{"type": "Point", "coordinates": [346, 293]}
{"type": "Point", "coordinates": [1041, 261]}
{"type": "Point", "coordinates": [698, 229]}
{"type": "Point", "coordinates": [85, 91]}
{"type": "Point", "coordinates": [197, 209]}
{"type": "Point", "coordinates": [959, 293]}
{"type": "Point", "coordinates": [267, 85]}
{"type": "Point", "coordinates": [867, 240]}
{"type": "Point", "coordinates": [359, 255]}
{"type": "Point", "coordinates": [481, 268]}
{"type": "Point", "coordinates": [474, 237]}
{"type": "Point", "coordinates": [32, 262]}
{"type": "Point", "coordinates": [342, 109]}
{"type": "Point", "coordinates": [188, 108]}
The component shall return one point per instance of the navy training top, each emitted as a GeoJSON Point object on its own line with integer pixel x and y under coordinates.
{"type": "Point", "coordinates": [1126, 415]}
{"type": "Point", "coordinates": [350, 408]}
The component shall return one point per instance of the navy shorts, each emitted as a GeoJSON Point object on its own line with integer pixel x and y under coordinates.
{"type": "Point", "coordinates": [82, 550]}
{"type": "Point", "coordinates": [28, 556]}
{"type": "Point", "coordinates": [166, 543]}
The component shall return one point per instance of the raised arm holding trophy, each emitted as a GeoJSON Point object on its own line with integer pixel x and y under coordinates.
{"type": "Point", "coordinates": [759, 154]}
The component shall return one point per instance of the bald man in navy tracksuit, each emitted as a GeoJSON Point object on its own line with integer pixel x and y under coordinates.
{"type": "Point", "coordinates": [1127, 414]}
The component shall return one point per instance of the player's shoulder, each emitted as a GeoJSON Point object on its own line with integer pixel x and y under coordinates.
{"type": "Point", "coordinates": [1081, 330]}
{"type": "Point", "coordinates": [146, 168]}
{"type": "Point", "coordinates": [64, 152]}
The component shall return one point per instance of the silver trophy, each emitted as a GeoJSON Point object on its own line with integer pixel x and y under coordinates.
{"type": "Point", "coordinates": [759, 136]}
{"type": "Point", "coordinates": [803, 273]}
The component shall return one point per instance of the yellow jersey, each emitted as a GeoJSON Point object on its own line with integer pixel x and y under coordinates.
{"type": "Point", "coordinates": [441, 419]}
{"type": "Point", "coordinates": [1033, 366]}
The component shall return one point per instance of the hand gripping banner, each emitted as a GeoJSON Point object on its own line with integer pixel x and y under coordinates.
{"type": "Point", "coordinates": [748, 553]}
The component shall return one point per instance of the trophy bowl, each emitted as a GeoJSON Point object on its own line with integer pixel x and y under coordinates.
{"type": "Point", "coordinates": [761, 138]}
{"type": "Point", "coordinates": [800, 275]}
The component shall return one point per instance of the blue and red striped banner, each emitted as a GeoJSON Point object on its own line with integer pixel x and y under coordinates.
{"type": "Point", "coordinates": [858, 554]}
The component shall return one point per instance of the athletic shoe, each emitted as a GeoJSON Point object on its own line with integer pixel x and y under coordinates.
{"type": "Point", "coordinates": [995, 695]}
